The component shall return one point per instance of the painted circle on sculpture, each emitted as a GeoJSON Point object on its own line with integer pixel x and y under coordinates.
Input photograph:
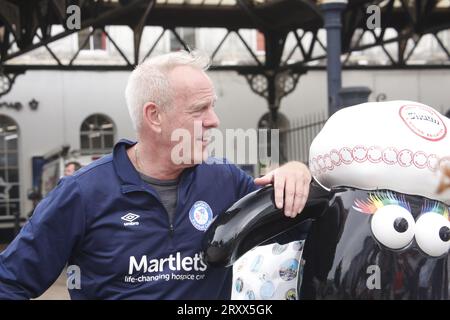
{"type": "Point", "coordinates": [256, 264]}
{"type": "Point", "coordinates": [288, 269]}
{"type": "Point", "coordinates": [239, 285]}
{"type": "Point", "coordinates": [250, 295]}
{"type": "Point", "coordinates": [423, 121]}
{"type": "Point", "coordinates": [279, 248]}
{"type": "Point", "coordinates": [267, 290]}
{"type": "Point", "coordinates": [291, 294]}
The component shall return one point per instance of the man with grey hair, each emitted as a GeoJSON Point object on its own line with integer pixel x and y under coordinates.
{"type": "Point", "coordinates": [130, 225]}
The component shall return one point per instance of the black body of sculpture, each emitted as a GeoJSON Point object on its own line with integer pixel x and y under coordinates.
{"type": "Point", "coordinates": [344, 258]}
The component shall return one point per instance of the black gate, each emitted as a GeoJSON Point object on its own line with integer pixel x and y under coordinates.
{"type": "Point", "coordinates": [298, 138]}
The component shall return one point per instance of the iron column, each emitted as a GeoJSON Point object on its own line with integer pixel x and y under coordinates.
{"type": "Point", "coordinates": [332, 10]}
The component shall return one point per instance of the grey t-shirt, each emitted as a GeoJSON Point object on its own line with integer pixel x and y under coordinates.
{"type": "Point", "coordinates": [167, 191]}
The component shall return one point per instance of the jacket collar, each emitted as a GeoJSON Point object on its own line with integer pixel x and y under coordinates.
{"type": "Point", "coordinates": [124, 168]}
{"type": "Point", "coordinates": [131, 181]}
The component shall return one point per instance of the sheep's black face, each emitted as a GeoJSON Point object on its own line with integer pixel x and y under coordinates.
{"type": "Point", "coordinates": [378, 245]}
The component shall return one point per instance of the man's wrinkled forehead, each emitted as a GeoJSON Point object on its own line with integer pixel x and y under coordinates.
{"type": "Point", "coordinates": [202, 103]}
{"type": "Point", "coordinates": [188, 76]}
{"type": "Point", "coordinates": [188, 82]}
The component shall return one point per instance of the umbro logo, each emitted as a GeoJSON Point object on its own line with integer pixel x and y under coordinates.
{"type": "Point", "coordinates": [129, 218]}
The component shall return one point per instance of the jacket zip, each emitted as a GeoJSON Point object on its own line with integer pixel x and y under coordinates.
{"type": "Point", "coordinates": [171, 229]}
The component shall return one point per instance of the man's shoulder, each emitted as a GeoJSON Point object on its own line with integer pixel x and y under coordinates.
{"type": "Point", "coordinates": [217, 165]}
{"type": "Point", "coordinates": [222, 164]}
{"type": "Point", "coordinates": [100, 170]}
{"type": "Point", "coordinates": [221, 168]}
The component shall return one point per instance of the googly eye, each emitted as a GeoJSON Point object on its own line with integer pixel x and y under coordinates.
{"type": "Point", "coordinates": [433, 234]}
{"type": "Point", "coordinates": [393, 226]}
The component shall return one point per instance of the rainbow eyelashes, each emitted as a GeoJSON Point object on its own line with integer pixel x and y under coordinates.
{"type": "Point", "coordinates": [378, 200]}
{"type": "Point", "coordinates": [436, 207]}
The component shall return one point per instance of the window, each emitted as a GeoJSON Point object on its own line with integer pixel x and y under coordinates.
{"type": "Point", "coordinates": [9, 168]}
{"type": "Point", "coordinates": [97, 40]}
{"type": "Point", "coordinates": [97, 135]}
{"type": "Point", "coordinates": [260, 42]}
{"type": "Point", "coordinates": [188, 37]}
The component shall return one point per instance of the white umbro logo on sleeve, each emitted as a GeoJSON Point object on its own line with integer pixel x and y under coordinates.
{"type": "Point", "coordinates": [129, 218]}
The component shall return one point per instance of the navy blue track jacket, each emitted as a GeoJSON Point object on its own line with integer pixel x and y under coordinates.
{"type": "Point", "coordinates": [111, 225]}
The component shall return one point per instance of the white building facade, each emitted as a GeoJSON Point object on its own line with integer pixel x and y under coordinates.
{"type": "Point", "coordinates": [66, 99]}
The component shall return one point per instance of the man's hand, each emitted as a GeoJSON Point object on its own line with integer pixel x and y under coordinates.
{"type": "Point", "coordinates": [291, 183]}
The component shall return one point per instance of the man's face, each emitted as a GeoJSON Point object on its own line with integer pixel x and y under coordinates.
{"type": "Point", "coordinates": [192, 112]}
{"type": "Point", "coordinates": [69, 170]}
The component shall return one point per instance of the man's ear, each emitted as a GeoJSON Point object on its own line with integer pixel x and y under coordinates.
{"type": "Point", "coordinates": [152, 116]}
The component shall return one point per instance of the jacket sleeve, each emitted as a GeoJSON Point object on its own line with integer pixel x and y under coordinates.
{"type": "Point", "coordinates": [38, 254]}
{"type": "Point", "coordinates": [244, 183]}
